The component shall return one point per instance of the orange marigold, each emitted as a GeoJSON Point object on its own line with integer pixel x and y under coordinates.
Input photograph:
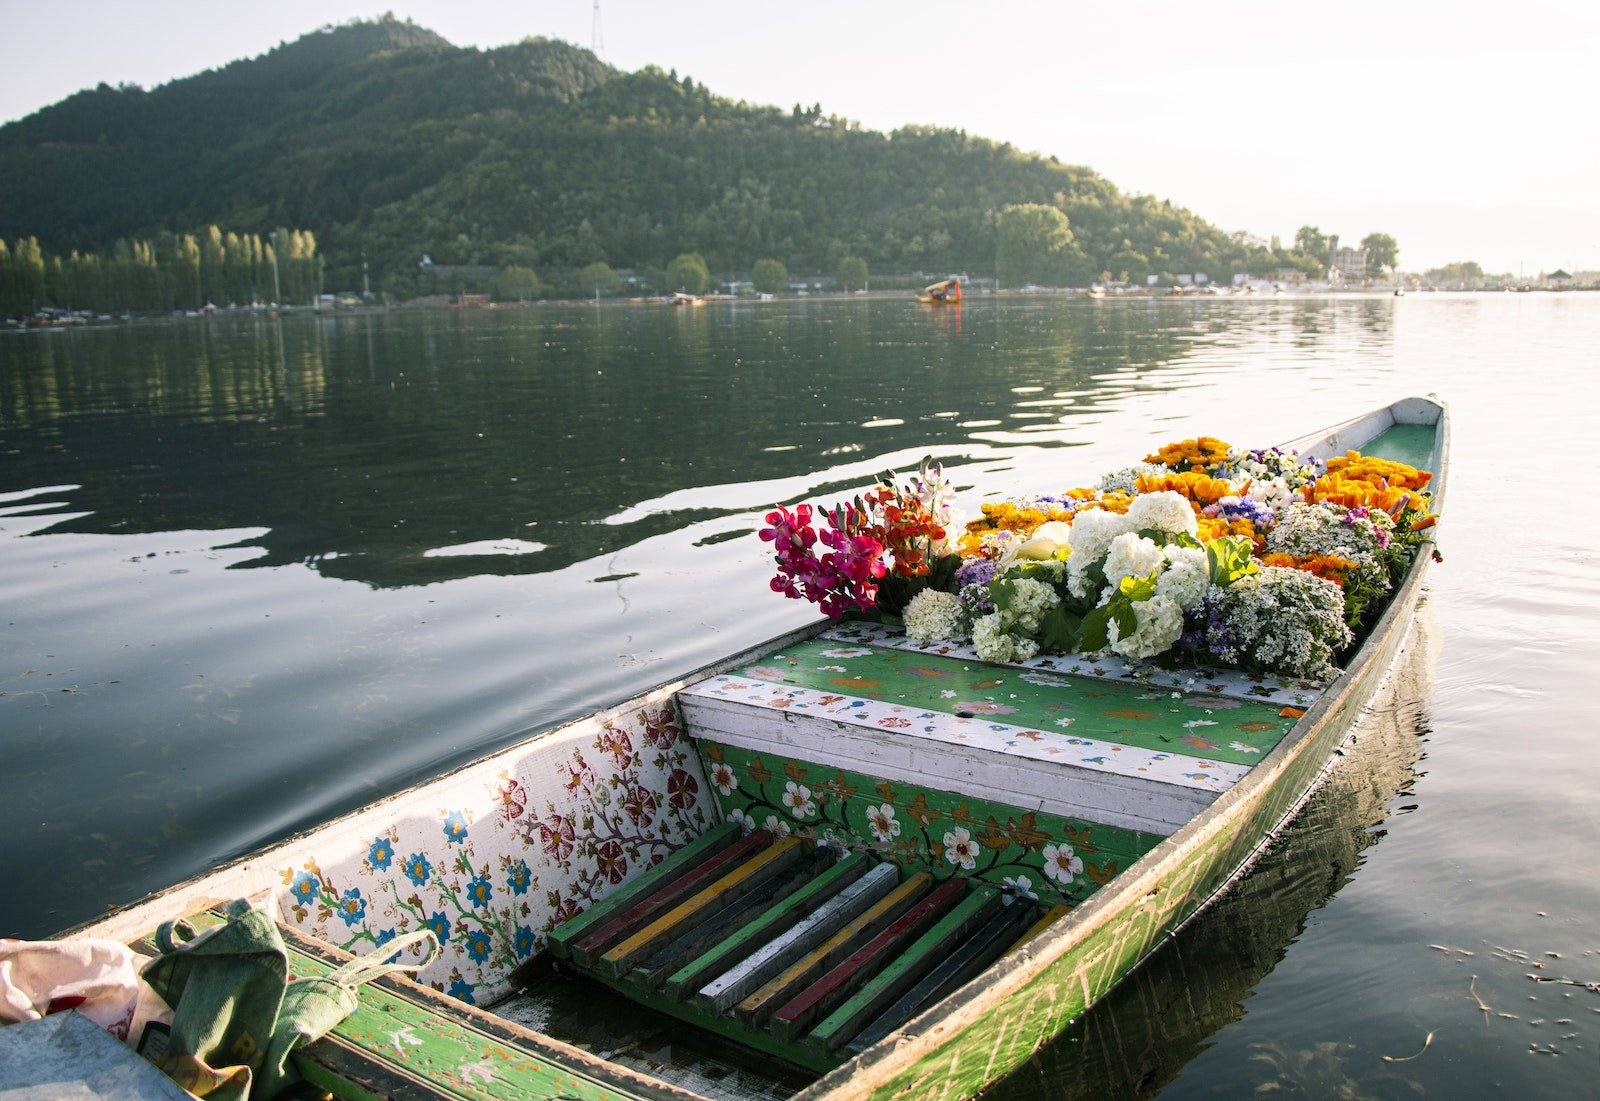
{"type": "Point", "coordinates": [1200, 488]}
{"type": "Point", "coordinates": [1195, 454]}
{"type": "Point", "coordinates": [1330, 567]}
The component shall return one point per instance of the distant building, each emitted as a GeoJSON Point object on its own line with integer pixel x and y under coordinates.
{"type": "Point", "coordinates": [1346, 265]}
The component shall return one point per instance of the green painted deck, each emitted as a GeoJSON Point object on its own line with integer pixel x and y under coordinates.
{"type": "Point", "coordinates": [1197, 725]}
{"type": "Point", "coordinates": [1412, 444]}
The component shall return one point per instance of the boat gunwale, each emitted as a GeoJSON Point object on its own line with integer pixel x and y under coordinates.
{"type": "Point", "coordinates": [1142, 881]}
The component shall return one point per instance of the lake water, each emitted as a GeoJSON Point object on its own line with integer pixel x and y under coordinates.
{"type": "Point", "coordinates": [256, 572]}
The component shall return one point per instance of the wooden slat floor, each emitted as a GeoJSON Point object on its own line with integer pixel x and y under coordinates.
{"type": "Point", "coordinates": [783, 948]}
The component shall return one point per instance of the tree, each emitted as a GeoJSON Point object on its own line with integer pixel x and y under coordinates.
{"type": "Point", "coordinates": [688, 273]}
{"type": "Point", "coordinates": [1033, 244]}
{"type": "Point", "coordinates": [1382, 251]}
{"type": "Point", "coordinates": [517, 283]}
{"type": "Point", "coordinates": [770, 277]}
{"type": "Point", "coordinates": [853, 273]}
{"type": "Point", "coordinates": [598, 279]}
{"type": "Point", "coordinates": [1313, 242]}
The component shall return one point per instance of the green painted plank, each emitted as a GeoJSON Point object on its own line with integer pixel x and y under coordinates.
{"type": "Point", "coordinates": [559, 938]}
{"type": "Point", "coordinates": [709, 901]}
{"type": "Point", "coordinates": [973, 956]}
{"type": "Point", "coordinates": [749, 910]}
{"type": "Point", "coordinates": [795, 1016]}
{"type": "Point", "coordinates": [779, 919]}
{"type": "Point", "coordinates": [1193, 724]}
{"type": "Point", "coordinates": [902, 973]}
{"type": "Point", "coordinates": [668, 891]}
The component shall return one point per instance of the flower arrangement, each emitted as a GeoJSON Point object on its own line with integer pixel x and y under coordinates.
{"type": "Point", "coordinates": [1204, 553]}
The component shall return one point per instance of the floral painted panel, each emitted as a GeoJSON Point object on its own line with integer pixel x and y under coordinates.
{"type": "Point", "coordinates": [494, 857]}
{"type": "Point", "coordinates": [1034, 855]}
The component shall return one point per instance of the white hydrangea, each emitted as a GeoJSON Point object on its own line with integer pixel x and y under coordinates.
{"type": "Point", "coordinates": [1126, 480]}
{"type": "Point", "coordinates": [1159, 624]}
{"type": "Point", "coordinates": [1031, 602]}
{"type": "Point", "coordinates": [1092, 532]}
{"type": "Point", "coordinates": [933, 614]}
{"type": "Point", "coordinates": [1131, 555]}
{"type": "Point", "coordinates": [995, 643]}
{"type": "Point", "coordinates": [1165, 511]}
{"type": "Point", "coordinates": [1290, 623]}
{"type": "Point", "coordinates": [1186, 577]}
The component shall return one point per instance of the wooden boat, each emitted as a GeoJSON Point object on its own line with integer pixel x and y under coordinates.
{"type": "Point", "coordinates": [1096, 291]}
{"type": "Point", "coordinates": [947, 292]}
{"type": "Point", "coordinates": [839, 865]}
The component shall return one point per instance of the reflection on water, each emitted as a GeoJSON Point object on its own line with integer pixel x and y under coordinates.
{"type": "Point", "coordinates": [378, 447]}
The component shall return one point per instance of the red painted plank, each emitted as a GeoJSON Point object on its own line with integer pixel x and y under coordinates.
{"type": "Point", "coordinates": [865, 962]}
{"type": "Point", "coordinates": [592, 945]}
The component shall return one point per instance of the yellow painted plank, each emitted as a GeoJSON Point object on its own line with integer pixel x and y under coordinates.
{"type": "Point", "coordinates": [1044, 922]}
{"type": "Point", "coordinates": [753, 872]}
{"type": "Point", "coordinates": [759, 1006]}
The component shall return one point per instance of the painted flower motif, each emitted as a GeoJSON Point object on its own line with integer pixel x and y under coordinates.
{"type": "Point", "coordinates": [580, 777]}
{"type": "Point", "coordinates": [523, 943]}
{"type": "Point", "coordinates": [960, 848]}
{"type": "Point", "coordinates": [479, 891]}
{"type": "Point", "coordinates": [611, 861]}
{"type": "Point", "coordinates": [683, 791]}
{"type": "Point", "coordinates": [382, 937]}
{"type": "Point", "coordinates": [764, 672]}
{"type": "Point", "coordinates": [1065, 721]}
{"type": "Point", "coordinates": [1020, 887]}
{"type": "Point", "coordinates": [513, 799]}
{"type": "Point", "coordinates": [518, 878]}
{"type": "Point", "coordinates": [985, 707]}
{"type": "Point", "coordinates": [418, 869]}
{"type": "Point", "coordinates": [455, 827]}
{"type": "Point", "coordinates": [739, 815]}
{"type": "Point", "coordinates": [776, 826]}
{"type": "Point", "coordinates": [881, 820]}
{"type": "Point", "coordinates": [847, 652]}
{"type": "Point", "coordinates": [352, 907]}
{"type": "Point", "coordinates": [564, 910]}
{"type": "Point", "coordinates": [1241, 747]}
{"type": "Point", "coordinates": [641, 805]}
{"type": "Point", "coordinates": [894, 722]}
{"type": "Point", "coordinates": [478, 945]}
{"type": "Point", "coordinates": [304, 888]}
{"type": "Point", "coordinates": [831, 839]}
{"type": "Point", "coordinates": [616, 742]}
{"type": "Point", "coordinates": [1062, 864]}
{"type": "Point", "coordinates": [381, 853]}
{"type": "Point", "coordinates": [797, 799]}
{"type": "Point", "coordinates": [660, 728]}
{"type": "Point", "coordinates": [440, 926]}
{"type": "Point", "coordinates": [461, 990]}
{"type": "Point", "coordinates": [723, 779]}
{"type": "Point", "coordinates": [557, 837]}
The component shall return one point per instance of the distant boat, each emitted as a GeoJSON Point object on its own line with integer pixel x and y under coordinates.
{"type": "Point", "coordinates": [1096, 291]}
{"type": "Point", "coordinates": [681, 299]}
{"type": "Point", "coordinates": [944, 293]}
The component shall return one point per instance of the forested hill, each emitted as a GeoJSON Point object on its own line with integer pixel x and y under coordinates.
{"type": "Point", "coordinates": [388, 142]}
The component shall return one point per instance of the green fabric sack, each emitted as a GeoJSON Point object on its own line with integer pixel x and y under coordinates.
{"type": "Point", "coordinates": [236, 1019]}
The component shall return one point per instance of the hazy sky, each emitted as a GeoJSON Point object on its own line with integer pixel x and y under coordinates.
{"type": "Point", "coordinates": [1465, 130]}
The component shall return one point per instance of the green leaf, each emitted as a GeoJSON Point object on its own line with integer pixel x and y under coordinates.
{"type": "Point", "coordinates": [1094, 633]}
{"type": "Point", "coordinates": [1137, 588]}
{"type": "Point", "coordinates": [1228, 559]}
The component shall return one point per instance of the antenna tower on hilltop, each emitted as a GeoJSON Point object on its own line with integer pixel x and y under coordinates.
{"type": "Point", "coordinates": [597, 38]}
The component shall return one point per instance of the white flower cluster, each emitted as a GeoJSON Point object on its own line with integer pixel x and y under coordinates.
{"type": "Point", "coordinates": [1330, 529]}
{"type": "Point", "coordinates": [1160, 624]}
{"type": "Point", "coordinates": [1010, 634]}
{"type": "Point", "coordinates": [1130, 555]}
{"type": "Point", "coordinates": [1126, 480]}
{"type": "Point", "coordinates": [1291, 622]}
{"type": "Point", "coordinates": [1186, 578]}
{"type": "Point", "coordinates": [932, 614]}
